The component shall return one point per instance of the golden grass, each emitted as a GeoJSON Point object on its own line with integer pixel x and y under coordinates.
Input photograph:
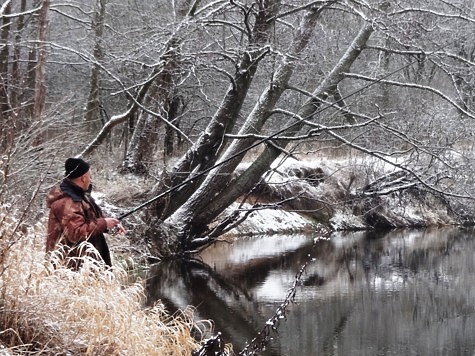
{"type": "Point", "coordinates": [46, 310]}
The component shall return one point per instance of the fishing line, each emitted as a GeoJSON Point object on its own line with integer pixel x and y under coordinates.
{"type": "Point", "coordinates": [263, 140]}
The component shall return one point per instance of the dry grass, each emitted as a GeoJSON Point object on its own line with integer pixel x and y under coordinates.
{"type": "Point", "coordinates": [91, 312]}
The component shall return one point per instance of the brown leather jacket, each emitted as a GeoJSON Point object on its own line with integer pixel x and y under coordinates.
{"type": "Point", "coordinates": [75, 217]}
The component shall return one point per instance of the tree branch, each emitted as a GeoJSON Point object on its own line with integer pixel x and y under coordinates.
{"type": "Point", "coordinates": [415, 86]}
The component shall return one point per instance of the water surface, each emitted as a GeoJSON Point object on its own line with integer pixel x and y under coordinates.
{"type": "Point", "coordinates": [398, 293]}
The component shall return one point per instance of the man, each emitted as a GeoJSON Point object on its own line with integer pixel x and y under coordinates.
{"type": "Point", "coordinates": [75, 217]}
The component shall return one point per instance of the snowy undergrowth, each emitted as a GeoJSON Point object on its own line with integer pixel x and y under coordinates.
{"type": "Point", "coordinates": [50, 309]}
{"type": "Point", "coordinates": [304, 193]}
{"type": "Point", "coordinates": [271, 221]}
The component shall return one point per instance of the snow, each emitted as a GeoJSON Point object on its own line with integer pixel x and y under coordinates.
{"type": "Point", "coordinates": [268, 221]}
{"type": "Point", "coordinates": [342, 220]}
{"type": "Point", "coordinates": [400, 208]}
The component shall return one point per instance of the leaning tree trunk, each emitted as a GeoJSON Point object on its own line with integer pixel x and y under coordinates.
{"type": "Point", "coordinates": [217, 193]}
{"type": "Point", "coordinates": [144, 141]}
{"type": "Point", "coordinates": [204, 152]}
{"type": "Point", "coordinates": [158, 75]}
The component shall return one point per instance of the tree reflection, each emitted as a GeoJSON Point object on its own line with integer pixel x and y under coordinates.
{"type": "Point", "coordinates": [179, 284]}
{"type": "Point", "coordinates": [360, 290]}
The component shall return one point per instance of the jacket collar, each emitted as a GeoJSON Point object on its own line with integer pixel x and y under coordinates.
{"type": "Point", "coordinates": [69, 188]}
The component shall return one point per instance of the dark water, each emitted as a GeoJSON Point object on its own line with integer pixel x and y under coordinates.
{"type": "Point", "coordinates": [398, 293]}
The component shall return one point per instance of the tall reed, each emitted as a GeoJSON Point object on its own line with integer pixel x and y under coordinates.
{"type": "Point", "coordinates": [46, 309]}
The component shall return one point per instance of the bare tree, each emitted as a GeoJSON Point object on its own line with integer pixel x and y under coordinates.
{"type": "Point", "coordinates": [143, 143]}
{"type": "Point", "coordinates": [40, 87]}
{"type": "Point", "coordinates": [93, 105]}
{"type": "Point", "coordinates": [190, 221]}
{"type": "Point", "coordinates": [223, 192]}
{"type": "Point", "coordinates": [16, 62]}
{"type": "Point", "coordinates": [251, 82]}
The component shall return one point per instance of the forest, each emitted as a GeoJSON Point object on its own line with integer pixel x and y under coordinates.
{"type": "Point", "coordinates": [185, 92]}
{"type": "Point", "coordinates": [198, 105]}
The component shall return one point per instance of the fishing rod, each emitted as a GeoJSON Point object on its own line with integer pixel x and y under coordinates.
{"type": "Point", "coordinates": [257, 143]}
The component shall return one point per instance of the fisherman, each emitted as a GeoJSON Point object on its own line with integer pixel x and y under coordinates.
{"type": "Point", "coordinates": [75, 218]}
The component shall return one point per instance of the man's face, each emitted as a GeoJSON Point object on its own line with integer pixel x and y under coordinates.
{"type": "Point", "coordinates": [86, 180]}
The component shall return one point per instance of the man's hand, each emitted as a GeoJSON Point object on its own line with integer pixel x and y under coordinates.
{"type": "Point", "coordinates": [115, 226]}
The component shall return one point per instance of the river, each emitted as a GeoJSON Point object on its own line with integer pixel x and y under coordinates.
{"type": "Point", "coordinates": [407, 292]}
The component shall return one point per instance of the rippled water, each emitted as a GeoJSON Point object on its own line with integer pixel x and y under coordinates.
{"type": "Point", "coordinates": [398, 293]}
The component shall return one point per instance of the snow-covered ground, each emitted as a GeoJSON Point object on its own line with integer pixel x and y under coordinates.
{"type": "Point", "coordinates": [308, 194]}
{"type": "Point", "coordinates": [332, 192]}
{"type": "Point", "coordinates": [271, 220]}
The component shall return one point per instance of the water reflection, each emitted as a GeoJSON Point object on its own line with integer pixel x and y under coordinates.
{"type": "Point", "coordinates": [404, 292]}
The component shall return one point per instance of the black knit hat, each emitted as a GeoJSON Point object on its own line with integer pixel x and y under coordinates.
{"type": "Point", "coordinates": [75, 167]}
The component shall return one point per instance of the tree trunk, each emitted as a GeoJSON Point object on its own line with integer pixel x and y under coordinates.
{"type": "Point", "coordinates": [40, 87]}
{"type": "Point", "coordinates": [93, 102]}
{"type": "Point", "coordinates": [6, 122]}
{"type": "Point", "coordinates": [16, 94]}
{"type": "Point", "coordinates": [172, 110]}
{"type": "Point", "coordinates": [204, 152]}
{"type": "Point", "coordinates": [206, 204]}
{"type": "Point", "coordinates": [144, 141]}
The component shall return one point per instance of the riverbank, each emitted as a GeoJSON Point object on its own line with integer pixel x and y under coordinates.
{"type": "Point", "coordinates": [93, 311]}
{"type": "Point", "coordinates": [53, 310]}
{"type": "Point", "coordinates": [307, 195]}
{"type": "Point", "coordinates": [343, 195]}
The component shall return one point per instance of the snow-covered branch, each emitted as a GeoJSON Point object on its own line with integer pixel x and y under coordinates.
{"type": "Point", "coordinates": [414, 86]}
{"type": "Point", "coordinates": [434, 13]}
